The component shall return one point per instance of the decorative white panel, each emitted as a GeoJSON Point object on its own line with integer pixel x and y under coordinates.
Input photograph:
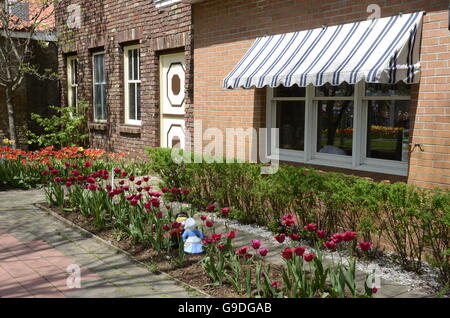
{"type": "Point", "coordinates": [173, 133]}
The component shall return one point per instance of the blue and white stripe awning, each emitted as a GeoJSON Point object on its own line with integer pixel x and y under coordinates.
{"type": "Point", "coordinates": [378, 51]}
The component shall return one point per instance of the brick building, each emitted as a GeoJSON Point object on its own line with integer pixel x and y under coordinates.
{"type": "Point", "coordinates": [104, 40]}
{"type": "Point", "coordinates": [369, 127]}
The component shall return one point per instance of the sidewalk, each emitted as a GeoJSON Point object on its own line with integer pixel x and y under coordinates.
{"type": "Point", "coordinates": [36, 249]}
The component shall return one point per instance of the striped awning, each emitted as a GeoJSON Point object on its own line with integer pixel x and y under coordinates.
{"type": "Point", "coordinates": [378, 51]}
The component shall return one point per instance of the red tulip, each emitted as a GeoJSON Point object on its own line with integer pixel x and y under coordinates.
{"type": "Point", "coordinates": [243, 250]}
{"type": "Point", "coordinates": [232, 235]}
{"type": "Point", "coordinates": [225, 211]}
{"type": "Point", "coordinates": [287, 253]}
{"type": "Point", "coordinates": [203, 218]}
{"type": "Point", "coordinates": [295, 237]}
{"type": "Point", "coordinates": [321, 234]}
{"type": "Point", "coordinates": [263, 252]}
{"type": "Point", "coordinates": [300, 251]}
{"type": "Point", "coordinates": [330, 245]}
{"type": "Point", "coordinates": [311, 227]}
{"type": "Point", "coordinates": [221, 247]}
{"type": "Point", "coordinates": [309, 257]}
{"type": "Point", "coordinates": [288, 220]}
{"type": "Point", "coordinates": [280, 238]}
{"type": "Point", "coordinates": [209, 223]}
{"type": "Point", "coordinates": [364, 246]}
{"type": "Point", "coordinates": [176, 225]}
{"type": "Point", "coordinates": [256, 244]}
{"type": "Point", "coordinates": [349, 236]}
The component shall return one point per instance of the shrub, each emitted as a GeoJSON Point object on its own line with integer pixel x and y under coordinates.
{"type": "Point", "coordinates": [409, 219]}
{"type": "Point", "coordinates": [67, 128]}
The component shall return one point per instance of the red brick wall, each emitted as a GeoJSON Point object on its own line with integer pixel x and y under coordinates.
{"type": "Point", "coordinates": [108, 25]}
{"type": "Point", "coordinates": [225, 29]}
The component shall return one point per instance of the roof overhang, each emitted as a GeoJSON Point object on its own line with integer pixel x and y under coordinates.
{"type": "Point", "coordinates": [48, 36]}
{"type": "Point", "coordinates": [164, 3]}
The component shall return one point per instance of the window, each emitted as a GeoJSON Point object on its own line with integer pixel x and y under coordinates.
{"type": "Point", "coordinates": [363, 126]}
{"type": "Point", "coordinates": [99, 76]}
{"type": "Point", "coordinates": [20, 9]}
{"type": "Point", "coordinates": [132, 85]}
{"type": "Point", "coordinates": [72, 81]}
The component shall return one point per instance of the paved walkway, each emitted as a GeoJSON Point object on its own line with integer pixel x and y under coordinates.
{"type": "Point", "coordinates": [36, 250]}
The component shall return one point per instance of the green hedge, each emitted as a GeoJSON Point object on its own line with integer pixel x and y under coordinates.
{"type": "Point", "coordinates": [415, 222]}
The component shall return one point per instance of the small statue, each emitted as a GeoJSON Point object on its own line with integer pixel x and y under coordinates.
{"type": "Point", "coordinates": [192, 238]}
{"type": "Point", "coordinates": [181, 218]}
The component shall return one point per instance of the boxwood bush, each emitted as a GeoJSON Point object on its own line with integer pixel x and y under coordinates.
{"type": "Point", "coordinates": [415, 223]}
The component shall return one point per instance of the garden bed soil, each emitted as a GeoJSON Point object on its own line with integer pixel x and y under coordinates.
{"type": "Point", "coordinates": [190, 273]}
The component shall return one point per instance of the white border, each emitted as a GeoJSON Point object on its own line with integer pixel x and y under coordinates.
{"type": "Point", "coordinates": [127, 81]}
{"type": "Point", "coordinates": [94, 83]}
{"type": "Point", "coordinates": [358, 161]}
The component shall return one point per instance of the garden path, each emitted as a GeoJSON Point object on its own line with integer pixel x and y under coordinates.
{"type": "Point", "coordinates": [36, 250]}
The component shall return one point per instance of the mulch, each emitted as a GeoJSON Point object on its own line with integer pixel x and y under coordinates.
{"type": "Point", "coordinates": [190, 273]}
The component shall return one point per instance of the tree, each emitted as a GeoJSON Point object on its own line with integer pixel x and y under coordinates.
{"type": "Point", "coordinates": [22, 25]}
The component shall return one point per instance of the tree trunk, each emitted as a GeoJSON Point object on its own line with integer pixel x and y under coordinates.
{"type": "Point", "coordinates": [12, 125]}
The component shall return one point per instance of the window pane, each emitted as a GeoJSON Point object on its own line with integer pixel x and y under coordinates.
{"type": "Point", "coordinates": [388, 130]}
{"type": "Point", "coordinates": [73, 95]}
{"type": "Point", "coordinates": [291, 122]}
{"type": "Point", "coordinates": [136, 64]}
{"type": "Point", "coordinates": [138, 101]}
{"type": "Point", "coordinates": [329, 90]}
{"type": "Point", "coordinates": [104, 113]}
{"type": "Point", "coordinates": [335, 127]}
{"type": "Point", "coordinates": [99, 68]}
{"type": "Point", "coordinates": [98, 102]}
{"type": "Point", "coordinates": [399, 89]}
{"type": "Point", "coordinates": [75, 72]}
{"type": "Point", "coordinates": [293, 91]}
{"type": "Point", "coordinates": [132, 102]}
{"type": "Point", "coordinates": [130, 65]}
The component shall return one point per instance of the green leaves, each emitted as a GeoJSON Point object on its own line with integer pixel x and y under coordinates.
{"type": "Point", "coordinates": [66, 128]}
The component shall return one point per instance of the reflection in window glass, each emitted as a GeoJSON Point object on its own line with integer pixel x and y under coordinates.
{"type": "Point", "coordinates": [328, 90]}
{"type": "Point", "coordinates": [335, 127]}
{"type": "Point", "coordinates": [388, 130]}
{"type": "Point", "coordinates": [99, 87]}
{"type": "Point", "coordinates": [291, 122]}
{"type": "Point", "coordinates": [294, 91]}
{"type": "Point", "coordinates": [399, 89]}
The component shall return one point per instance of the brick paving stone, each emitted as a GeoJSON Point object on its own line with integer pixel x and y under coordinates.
{"type": "Point", "coordinates": [35, 250]}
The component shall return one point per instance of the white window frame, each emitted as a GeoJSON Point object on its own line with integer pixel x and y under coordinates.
{"type": "Point", "coordinates": [94, 83]}
{"type": "Point", "coordinates": [127, 82]}
{"type": "Point", "coordinates": [358, 160]}
{"type": "Point", "coordinates": [72, 88]}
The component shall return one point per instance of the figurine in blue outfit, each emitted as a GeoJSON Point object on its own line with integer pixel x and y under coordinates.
{"type": "Point", "coordinates": [192, 238]}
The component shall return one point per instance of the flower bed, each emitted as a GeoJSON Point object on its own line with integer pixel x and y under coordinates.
{"type": "Point", "coordinates": [131, 207]}
{"type": "Point", "coordinates": [23, 169]}
{"type": "Point", "coordinates": [413, 223]}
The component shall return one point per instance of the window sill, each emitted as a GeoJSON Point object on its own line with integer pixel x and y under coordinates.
{"type": "Point", "coordinates": [398, 170]}
{"type": "Point", "coordinates": [98, 126]}
{"type": "Point", "coordinates": [130, 129]}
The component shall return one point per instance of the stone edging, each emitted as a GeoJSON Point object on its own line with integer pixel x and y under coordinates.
{"type": "Point", "coordinates": [113, 247]}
